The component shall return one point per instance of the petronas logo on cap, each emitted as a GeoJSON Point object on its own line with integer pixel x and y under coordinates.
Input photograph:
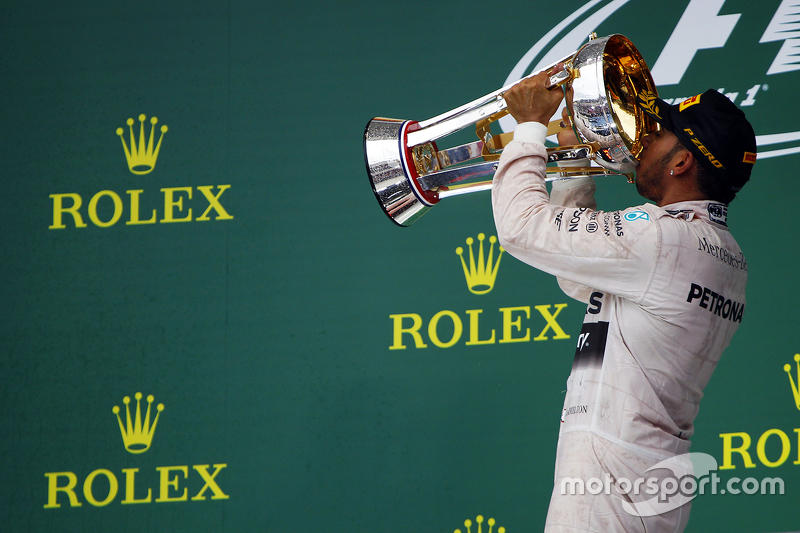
{"type": "Point", "coordinates": [648, 102]}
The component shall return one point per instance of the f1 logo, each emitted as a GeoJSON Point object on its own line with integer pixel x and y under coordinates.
{"type": "Point", "coordinates": [701, 27]}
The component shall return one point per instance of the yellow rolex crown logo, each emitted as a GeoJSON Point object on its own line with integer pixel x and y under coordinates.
{"type": "Point", "coordinates": [479, 521]}
{"type": "Point", "coordinates": [480, 275]}
{"type": "Point", "coordinates": [137, 434]}
{"type": "Point", "coordinates": [794, 383]}
{"type": "Point", "coordinates": [142, 155]}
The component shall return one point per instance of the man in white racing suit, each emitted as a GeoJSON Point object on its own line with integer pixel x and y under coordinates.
{"type": "Point", "coordinates": [664, 286]}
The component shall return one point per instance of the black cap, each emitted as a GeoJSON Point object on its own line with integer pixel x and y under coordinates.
{"type": "Point", "coordinates": [711, 127]}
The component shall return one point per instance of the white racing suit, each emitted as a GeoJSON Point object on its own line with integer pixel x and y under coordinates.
{"type": "Point", "coordinates": [664, 288]}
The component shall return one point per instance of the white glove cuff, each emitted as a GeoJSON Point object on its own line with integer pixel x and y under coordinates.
{"type": "Point", "coordinates": [532, 132]}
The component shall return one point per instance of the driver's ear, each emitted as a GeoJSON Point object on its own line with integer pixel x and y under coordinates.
{"type": "Point", "coordinates": [682, 161]}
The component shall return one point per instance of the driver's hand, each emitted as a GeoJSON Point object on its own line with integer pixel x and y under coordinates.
{"type": "Point", "coordinates": [567, 136]}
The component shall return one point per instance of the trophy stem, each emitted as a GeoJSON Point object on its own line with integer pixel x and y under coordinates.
{"type": "Point", "coordinates": [455, 175]}
{"type": "Point", "coordinates": [467, 114]}
{"type": "Point", "coordinates": [553, 175]}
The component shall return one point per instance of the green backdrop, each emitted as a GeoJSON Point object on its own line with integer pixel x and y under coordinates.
{"type": "Point", "coordinates": [245, 278]}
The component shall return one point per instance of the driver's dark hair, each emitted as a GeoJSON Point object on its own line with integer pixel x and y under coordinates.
{"type": "Point", "coordinates": [710, 185]}
{"type": "Point", "coordinates": [713, 187]}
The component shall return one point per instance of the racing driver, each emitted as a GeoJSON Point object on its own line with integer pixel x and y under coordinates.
{"type": "Point", "coordinates": [664, 283]}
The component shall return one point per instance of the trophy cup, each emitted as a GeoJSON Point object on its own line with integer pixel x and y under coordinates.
{"type": "Point", "coordinates": [410, 174]}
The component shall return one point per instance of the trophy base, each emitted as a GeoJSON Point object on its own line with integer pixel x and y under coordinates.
{"type": "Point", "coordinates": [392, 172]}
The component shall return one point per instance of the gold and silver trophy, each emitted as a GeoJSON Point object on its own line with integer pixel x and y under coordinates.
{"type": "Point", "coordinates": [409, 173]}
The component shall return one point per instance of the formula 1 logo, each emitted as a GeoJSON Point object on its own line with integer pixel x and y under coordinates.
{"type": "Point", "coordinates": [729, 45]}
